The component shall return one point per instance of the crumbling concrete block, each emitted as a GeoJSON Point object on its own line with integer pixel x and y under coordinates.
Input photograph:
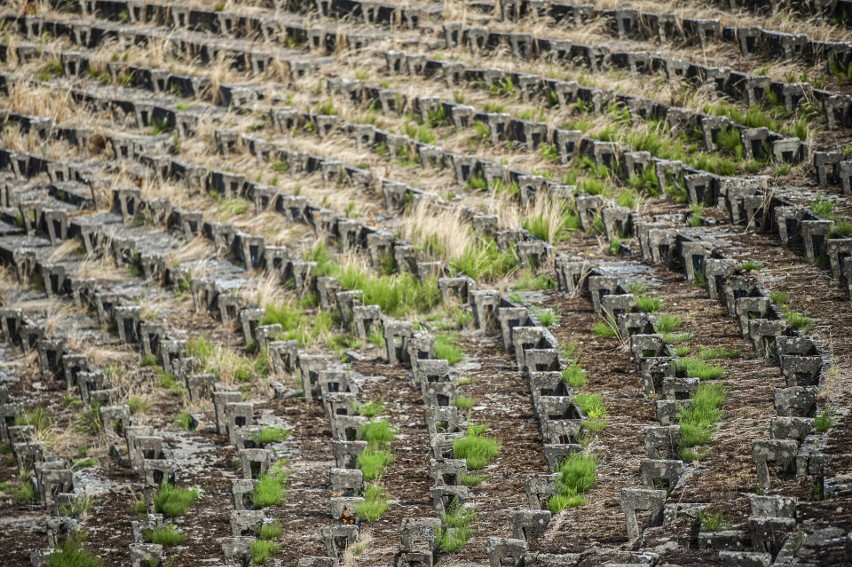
{"type": "Point", "coordinates": [634, 500]}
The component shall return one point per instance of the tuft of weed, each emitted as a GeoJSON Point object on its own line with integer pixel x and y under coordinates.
{"type": "Point", "coordinates": [548, 317]}
{"type": "Point", "coordinates": [378, 433]}
{"type": "Point", "coordinates": [184, 420]}
{"type": "Point", "coordinates": [373, 462]}
{"type": "Point", "coordinates": [138, 405]}
{"type": "Point", "coordinates": [750, 265]}
{"type": "Point", "coordinates": [471, 479]}
{"type": "Point", "coordinates": [668, 323]}
{"type": "Point", "coordinates": [591, 405]}
{"type": "Point", "coordinates": [165, 535]}
{"type": "Point", "coordinates": [698, 422]}
{"type": "Point", "coordinates": [270, 531]}
{"type": "Point", "coordinates": [799, 321]}
{"type": "Point", "coordinates": [72, 553]}
{"type": "Point", "coordinates": [268, 435]}
{"type": "Point", "coordinates": [717, 353]}
{"type": "Point", "coordinates": [262, 550]}
{"type": "Point", "coordinates": [824, 420]}
{"type": "Point", "coordinates": [574, 375]}
{"type": "Point", "coordinates": [90, 421]}
{"type": "Point", "coordinates": [269, 489]}
{"type": "Point", "coordinates": [577, 474]}
{"type": "Point", "coordinates": [712, 521]}
{"type": "Point", "coordinates": [446, 346]}
{"type": "Point", "coordinates": [375, 503]}
{"type": "Point", "coordinates": [605, 328]}
{"type": "Point", "coordinates": [484, 261]}
{"type": "Point", "coordinates": [779, 298]}
{"type": "Point", "coordinates": [370, 409]}
{"type": "Point", "coordinates": [649, 303]}
{"type": "Point", "coordinates": [477, 450]}
{"type": "Point", "coordinates": [464, 403]}
{"type": "Point", "coordinates": [173, 501]}
{"type": "Point", "coordinates": [696, 368]}
{"type": "Point", "coordinates": [531, 282]}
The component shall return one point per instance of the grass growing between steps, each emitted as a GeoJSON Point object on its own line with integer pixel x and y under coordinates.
{"type": "Point", "coordinates": [295, 324]}
{"type": "Point", "coordinates": [698, 421]}
{"type": "Point", "coordinates": [72, 553]}
{"type": "Point", "coordinates": [577, 474]}
{"type": "Point", "coordinates": [375, 503]}
{"type": "Point", "coordinates": [268, 435]}
{"type": "Point", "coordinates": [369, 409]}
{"type": "Point", "coordinates": [574, 375]}
{"type": "Point", "coordinates": [696, 368]}
{"type": "Point", "coordinates": [476, 449]}
{"type": "Point", "coordinates": [228, 365]}
{"type": "Point", "coordinates": [592, 407]}
{"type": "Point", "coordinates": [398, 295]}
{"type": "Point", "coordinates": [456, 530]}
{"type": "Point", "coordinates": [484, 261]}
{"type": "Point", "coordinates": [446, 346]}
{"type": "Point", "coordinates": [262, 550]}
{"type": "Point", "coordinates": [166, 535]}
{"type": "Point", "coordinates": [373, 462]}
{"type": "Point", "coordinates": [269, 490]}
{"type": "Point", "coordinates": [378, 433]}
{"type": "Point", "coordinates": [173, 501]}
{"type": "Point", "coordinates": [375, 458]}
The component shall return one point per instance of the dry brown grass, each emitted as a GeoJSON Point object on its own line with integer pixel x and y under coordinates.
{"type": "Point", "coordinates": [441, 224]}
{"type": "Point", "coordinates": [267, 290]}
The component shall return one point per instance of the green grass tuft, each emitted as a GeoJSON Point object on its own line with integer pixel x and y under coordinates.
{"type": "Point", "coordinates": [262, 551]}
{"type": "Point", "coordinates": [398, 295]}
{"type": "Point", "coordinates": [531, 282]}
{"type": "Point", "coordinates": [678, 338]}
{"type": "Point", "coordinates": [184, 420]}
{"type": "Point", "coordinates": [649, 304]}
{"type": "Point", "coordinates": [484, 261]}
{"type": "Point", "coordinates": [668, 323]}
{"type": "Point", "coordinates": [173, 501]}
{"type": "Point", "coordinates": [138, 405]}
{"type": "Point", "coordinates": [477, 450]}
{"type": "Point", "coordinates": [695, 368]}
{"type": "Point", "coordinates": [269, 490]}
{"type": "Point", "coordinates": [471, 479]}
{"type": "Point", "coordinates": [548, 317]}
{"type": "Point", "coordinates": [799, 321]}
{"type": "Point", "coordinates": [698, 422]}
{"type": "Point", "coordinates": [779, 298]}
{"type": "Point", "coordinates": [166, 535]}
{"type": "Point", "coordinates": [446, 346]}
{"type": "Point", "coordinates": [38, 418]}
{"type": "Point", "coordinates": [712, 521]}
{"type": "Point", "coordinates": [373, 462]}
{"type": "Point", "coordinates": [271, 435]}
{"type": "Point", "coordinates": [71, 553]}
{"type": "Point", "coordinates": [577, 474]}
{"type": "Point", "coordinates": [750, 265]}
{"type": "Point", "coordinates": [270, 531]}
{"type": "Point", "coordinates": [591, 405]}
{"type": "Point", "coordinates": [375, 503]}
{"type": "Point", "coordinates": [464, 403]}
{"type": "Point", "coordinates": [370, 409]}
{"type": "Point", "coordinates": [606, 328]}
{"type": "Point", "coordinates": [453, 540]}
{"type": "Point", "coordinates": [378, 433]}
{"type": "Point", "coordinates": [717, 353]}
{"type": "Point", "coordinates": [824, 420]}
{"type": "Point", "coordinates": [574, 375]}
